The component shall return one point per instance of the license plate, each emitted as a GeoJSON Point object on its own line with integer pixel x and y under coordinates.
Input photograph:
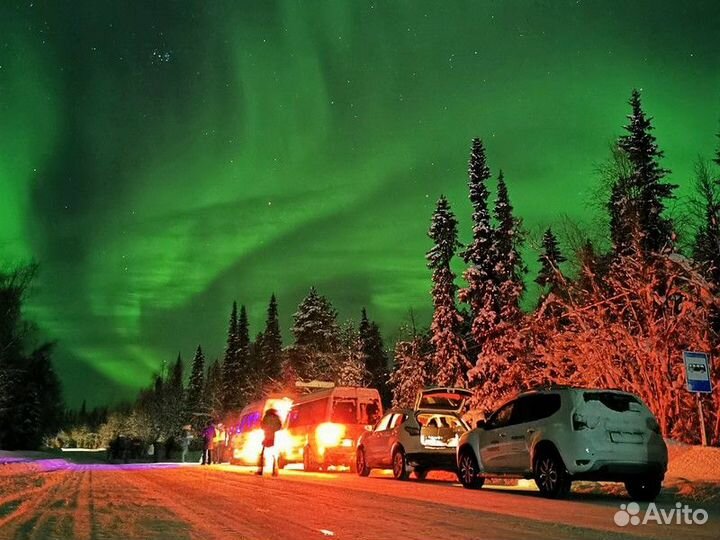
{"type": "Point", "coordinates": [622, 437]}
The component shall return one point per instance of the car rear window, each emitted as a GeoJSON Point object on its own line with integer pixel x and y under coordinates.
{"type": "Point", "coordinates": [612, 400]}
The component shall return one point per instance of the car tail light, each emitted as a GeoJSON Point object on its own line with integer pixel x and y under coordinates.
{"type": "Point", "coordinates": [412, 430]}
{"type": "Point", "coordinates": [652, 425]}
{"type": "Point", "coordinates": [329, 434]}
{"type": "Point", "coordinates": [579, 422]}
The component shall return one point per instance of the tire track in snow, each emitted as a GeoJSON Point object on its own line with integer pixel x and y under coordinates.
{"type": "Point", "coordinates": [21, 522]}
{"type": "Point", "coordinates": [121, 509]}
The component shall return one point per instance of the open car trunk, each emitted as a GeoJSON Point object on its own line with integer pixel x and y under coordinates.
{"type": "Point", "coordinates": [441, 399]}
{"type": "Point", "coordinates": [440, 430]}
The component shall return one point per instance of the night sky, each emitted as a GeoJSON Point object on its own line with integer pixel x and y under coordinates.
{"type": "Point", "coordinates": [160, 159]}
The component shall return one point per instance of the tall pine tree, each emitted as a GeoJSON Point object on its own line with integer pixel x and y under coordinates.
{"type": "Point", "coordinates": [232, 368]}
{"type": "Point", "coordinates": [215, 391]}
{"type": "Point", "coordinates": [317, 338]}
{"type": "Point", "coordinates": [479, 255]}
{"type": "Point", "coordinates": [641, 198]}
{"type": "Point", "coordinates": [706, 248]}
{"type": "Point", "coordinates": [373, 349]}
{"type": "Point", "coordinates": [412, 365]}
{"type": "Point", "coordinates": [549, 276]}
{"type": "Point", "coordinates": [195, 402]}
{"type": "Point", "coordinates": [271, 346]}
{"type": "Point", "coordinates": [174, 398]}
{"type": "Point", "coordinates": [315, 323]}
{"type": "Point", "coordinates": [352, 369]}
{"type": "Point", "coordinates": [509, 267]}
{"type": "Point", "coordinates": [450, 355]}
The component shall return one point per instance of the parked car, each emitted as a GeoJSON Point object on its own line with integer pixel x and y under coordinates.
{"type": "Point", "coordinates": [420, 439]}
{"type": "Point", "coordinates": [557, 435]}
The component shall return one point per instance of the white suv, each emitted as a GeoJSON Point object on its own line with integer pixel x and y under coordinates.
{"type": "Point", "coordinates": [557, 435]}
{"type": "Point", "coordinates": [417, 439]}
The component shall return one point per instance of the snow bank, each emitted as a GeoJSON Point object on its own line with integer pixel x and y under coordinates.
{"type": "Point", "coordinates": [693, 463]}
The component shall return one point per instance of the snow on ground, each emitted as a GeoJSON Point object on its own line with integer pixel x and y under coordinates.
{"type": "Point", "coordinates": [43, 496]}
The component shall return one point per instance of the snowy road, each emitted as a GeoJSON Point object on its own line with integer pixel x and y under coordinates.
{"type": "Point", "coordinates": [51, 499]}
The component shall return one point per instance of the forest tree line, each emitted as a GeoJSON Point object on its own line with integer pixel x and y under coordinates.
{"type": "Point", "coordinates": [617, 308]}
{"type": "Point", "coordinates": [617, 311]}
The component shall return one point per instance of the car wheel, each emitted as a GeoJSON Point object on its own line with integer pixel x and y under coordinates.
{"type": "Point", "coordinates": [468, 471]}
{"type": "Point", "coordinates": [309, 464]}
{"type": "Point", "coordinates": [420, 474]}
{"type": "Point", "coordinates": [551, 476]}
{"type": "Point", "coordinates": [281, 462]}
{"type": "Point", "coordinates": [399, 469]}
{"type": "Point", "coordinates": [645, 488]}
{"type": "Point", "coordinates": [361, 463]}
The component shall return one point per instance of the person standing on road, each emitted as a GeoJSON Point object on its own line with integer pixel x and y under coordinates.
{"type": "Point", "coordinates": [208, 434]}
{"type": "Point", "coordinates": [185, 442]}
{"type": "Point", "coordinates": [271, 424]}
{"type": "Point", "coordinates": [220, 443]}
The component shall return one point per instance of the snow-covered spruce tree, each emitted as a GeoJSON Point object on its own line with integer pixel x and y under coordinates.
{"type": "Point", "coordinates": [413, 358]}
{"type": "Point", "coordinates": [375, 356]}
{"type": "Point", "coordinates": [271, 347]}
{"type": "Point", "coordinates": [317, 338]}
{"type": "Point", "coordinates": [195, 402]}
{"type": "Point", "coordinates": [449, 360]}
{"type": "Point", "coordinates": [351, 369]}
{"type": "Point", "coordinates": [509, 267]}
{"type": "Point", "coordinates": [479, 255]}
{"type": "Point", "coordinates": [646, 194]}
{"type": "Point", "coordinates": [504, 352]}
{"type": "Point", "coordinates": [550, 276]}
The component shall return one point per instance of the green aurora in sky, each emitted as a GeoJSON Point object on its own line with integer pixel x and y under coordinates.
{"type": "Point", "coordinates": [160, 159]}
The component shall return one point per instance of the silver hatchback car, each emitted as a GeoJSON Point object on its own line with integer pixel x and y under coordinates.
{"type": "Point", "coordinates": [416, 440]}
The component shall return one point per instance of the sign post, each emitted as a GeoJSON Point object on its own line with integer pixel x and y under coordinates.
{"type": "Point", "coordinates": [697, 374]}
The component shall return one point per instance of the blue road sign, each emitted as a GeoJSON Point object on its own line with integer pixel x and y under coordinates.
{"type": "Point", "coordinates": [697, 371]}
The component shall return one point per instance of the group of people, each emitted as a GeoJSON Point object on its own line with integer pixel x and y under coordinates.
{"type": "Point", "coordinates": [216, 441]}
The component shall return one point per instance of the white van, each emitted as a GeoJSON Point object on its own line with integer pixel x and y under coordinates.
{"type": "Point", "coordinates": [323, 427]}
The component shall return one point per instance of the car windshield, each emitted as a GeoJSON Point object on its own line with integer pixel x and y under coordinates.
{"type": "Point", "coordinates": [612, 400]}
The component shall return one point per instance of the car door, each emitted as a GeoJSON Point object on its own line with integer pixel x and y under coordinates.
{"type": "Point", "coordinates": [528, 418]}
{"type": "Point", "coordinates": [493, 440]}
{"type": "Point", "coordinates": [517, 434]}
{"type": "Point", "coordinates": [374, 441]}
{"type": "Point", "coordinates": [393, 435]}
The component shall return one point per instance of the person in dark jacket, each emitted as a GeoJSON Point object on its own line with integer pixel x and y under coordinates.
{"type": "Point", "coordinates": [208, 434]}
{"type": "Point", "coordinates": [271, 424]}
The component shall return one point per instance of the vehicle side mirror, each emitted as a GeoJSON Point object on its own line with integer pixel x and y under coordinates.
{"type": "Point", "coordinates": [369, 428]}
{"type": "Point", "coordinates": [480, 424]}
